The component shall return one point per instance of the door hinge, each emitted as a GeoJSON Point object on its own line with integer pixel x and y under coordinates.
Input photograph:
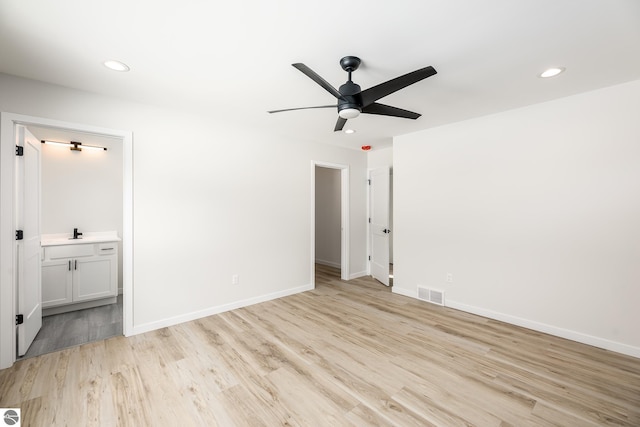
{"type": "Point", "coordinates": [19, 150]}
{"type": "Point", "coordinates": [369, 257]}
{"type": "Point", "coordinates": [369, 181]}
{"type": "Point", "coordinates": [19, 319]}
{"type": "Point", "coordinates": [369, 220]}
{"type": "Point", "coordinates": [19, 234]}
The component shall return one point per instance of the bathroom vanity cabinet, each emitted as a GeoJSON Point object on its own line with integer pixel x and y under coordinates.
{"type": "Point", "coordinates": [78, 274]}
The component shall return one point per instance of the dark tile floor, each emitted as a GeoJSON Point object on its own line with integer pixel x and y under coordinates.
{"type": "Point", "coordinates": [77, 327]}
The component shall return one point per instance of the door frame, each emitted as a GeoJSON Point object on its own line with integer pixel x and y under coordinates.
{"type": "Point", "coordinates": [344, 218]}
{"type": "Point", "coordinates": [8, 273]}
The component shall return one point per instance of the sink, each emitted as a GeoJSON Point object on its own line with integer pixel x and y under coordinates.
{"type": "Point", "coordinates": [88, 237]}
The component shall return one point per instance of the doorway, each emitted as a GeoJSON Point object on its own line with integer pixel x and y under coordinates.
{"type": "Point", "coordinates": [328, 217]}
{"type": "Point", "coordinates": [380, 225]}
{"type": "Point", "coordinates": [335, 192]}
{"type": "Point", "coordinates": [8, 289]}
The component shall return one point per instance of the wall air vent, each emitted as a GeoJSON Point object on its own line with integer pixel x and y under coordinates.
{"type": "Point", "coordinates": [431, 295]}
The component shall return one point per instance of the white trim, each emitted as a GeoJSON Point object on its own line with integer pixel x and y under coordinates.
{"type": "Point", "coordinates": [536, 326]}
{"type": "Point", "coordinates": [7, 271]}
{"type": "Point", "coordinates": [345, 220]}
{"type": "Point", "coordinates": [358, 275]}
{"type": "Point", "coordinates": [328, 263]}
{"type": "Point", "coordinates": [368, 223]}
{"type": "Point", "coordinates": [7, 260]}
{"type": "Point", "coordinates": [151, 326]}
{"type": "Point", "coordinates": [344, 217]}
{"type": "Point", "coordinates": [548, 329]}
{"type": "Point", "coordinates": [404, 292]}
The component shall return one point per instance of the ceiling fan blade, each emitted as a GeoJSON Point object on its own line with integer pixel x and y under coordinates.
{"type": "Point", "coordinates": [374, 93]}
{"type": "Point", "coordinates": [316, 78]}
{"type": "Point", "coordinates": [339, 124]}
{"type": "Point", "coordinates": [388, 110]}
{"type": "Point", "coordinates": [302, 108]}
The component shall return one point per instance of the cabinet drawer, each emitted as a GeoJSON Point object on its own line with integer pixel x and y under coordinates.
{"type": "Point", "coordinates": [68, 251]}
{"type": "Point", "coordinates": [107, 248]}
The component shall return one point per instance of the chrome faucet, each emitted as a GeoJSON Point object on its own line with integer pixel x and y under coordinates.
{"type": "Point", "coordinates": [76, 234]}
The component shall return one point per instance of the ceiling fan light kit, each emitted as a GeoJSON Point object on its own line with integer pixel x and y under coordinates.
{"type": "Point", "coordinates": [349, 113]}
{"type": "Point", "coordinates": [352, 100]}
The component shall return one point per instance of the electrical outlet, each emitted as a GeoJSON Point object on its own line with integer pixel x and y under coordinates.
{"type": "Point", "coordinates": [449, 278]}
{"type": "Point", "coordinates": [235, 279]}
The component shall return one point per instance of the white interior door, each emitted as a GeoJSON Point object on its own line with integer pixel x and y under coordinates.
{"type": "Point", "coordinates": [29, 303]}
{"type": "Point", "coordinates": [379, 227]}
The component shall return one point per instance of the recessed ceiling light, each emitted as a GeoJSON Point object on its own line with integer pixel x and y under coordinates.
{"type": "Point", "coordinates": [551, 72]}
{"type": "Point", "coordinates": [116, 65]}
{"type": "Point", "coordinates": [349, 131]}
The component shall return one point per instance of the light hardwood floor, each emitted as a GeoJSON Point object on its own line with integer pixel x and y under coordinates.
{"type": "Point", "coordinates": [346, 353]}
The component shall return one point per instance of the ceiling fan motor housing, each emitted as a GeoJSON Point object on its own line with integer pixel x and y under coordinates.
{"type": "Point", "coordinates": [351, 98]}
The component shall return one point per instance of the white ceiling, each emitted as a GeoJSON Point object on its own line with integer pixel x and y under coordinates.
{"type": "Point", "coordinates": [232, 60]}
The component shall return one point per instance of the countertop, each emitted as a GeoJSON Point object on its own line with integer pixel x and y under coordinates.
{"type": "Point", "coordinates": [87, 237]}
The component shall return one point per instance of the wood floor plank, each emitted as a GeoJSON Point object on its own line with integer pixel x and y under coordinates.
{"type": "Point", "coordinates": [344, 354]}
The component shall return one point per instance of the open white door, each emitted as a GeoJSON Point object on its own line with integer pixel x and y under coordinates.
{"type": "Point", "coordinates": [379, 227]}
{"type": "Point", "coordinates": [29, 303]}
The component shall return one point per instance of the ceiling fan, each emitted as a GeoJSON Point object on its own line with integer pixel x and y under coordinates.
{"type": "Point", "coordinates": [352, 100]}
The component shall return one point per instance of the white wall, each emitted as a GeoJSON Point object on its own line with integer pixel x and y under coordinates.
{"type": "Point", "coordinates": [210, 201]}
{"type": "Point", "coordinates": [328, 216]}
{"type": "Point", "coordinates": [535, 212]}
{"type": "Point", "coordinates": [379, 158]}
{"type": "Point", "coordinates": [82, 189]}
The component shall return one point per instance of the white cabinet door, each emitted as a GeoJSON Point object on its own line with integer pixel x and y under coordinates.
{"type": "Point", "coordinates": [56, 283]}
{"type": "Point", "coordinates": [94, 278]}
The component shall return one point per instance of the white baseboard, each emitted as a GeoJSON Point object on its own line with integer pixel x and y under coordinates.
{"type": "Point", "coordinates": [405, 292]}
{"type": "Point", "coordinates": [151, 326]}
{"type": "Point", "coordinates": [338, 266]}
{"type": "Point", "coordinates": [536, 326]}
{"type": "Point", "coordinates": [357, 275]}
{"type": "Point", "coordinates": [549, 329]}
{"type": "Point", "coordinates": [329, 263]}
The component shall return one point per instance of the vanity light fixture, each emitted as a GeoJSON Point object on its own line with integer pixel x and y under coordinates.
{"type": "Point", "coordinates": [350, 131]}
{"type": "Point", "coordinates": [75, 146]}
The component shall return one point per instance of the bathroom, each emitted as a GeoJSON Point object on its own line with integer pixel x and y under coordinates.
{"type": "Point", "coordinates": [80, 190]}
